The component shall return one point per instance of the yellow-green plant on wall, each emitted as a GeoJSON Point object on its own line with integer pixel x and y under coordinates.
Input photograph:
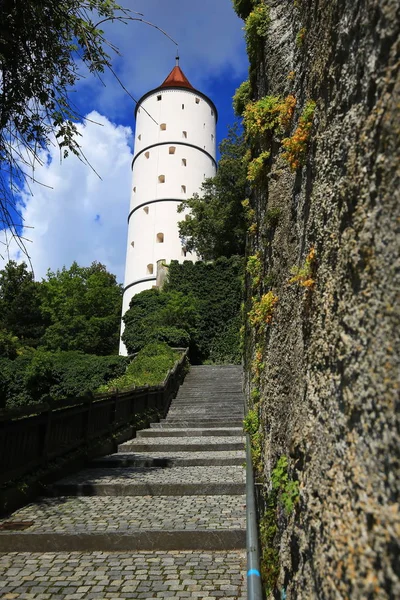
{"type": "Point", "coordinates": [300, 37]}
{"type": "Point", "coordinates": [296, 145]}
{"type": "Point", "coordinates": [241, 98]}
{"type": "Point", "coordinates": [269, 114]}
{"type": "Point", "coordinates": [262, 310]}
{"type": "Point", "coordinates": [304, 275]}
{"type": "Point", "coordinates": [254, 267]}
{"type": "Point", "coordinates": [256, 29]}
{"type": "Point", "coordinates": [255, 169]}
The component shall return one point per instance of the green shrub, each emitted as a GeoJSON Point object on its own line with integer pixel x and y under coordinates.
{"type": "Point", "coordinates": [256, 30]}
{"type": "Point", "coordinates": [225, 347]}
{"type": "Point", "coordinates": [149, 367]}
{"type": "Point", "coordinates": [35, 377]}
{"type": "Point", "coordinates": [241, 98]}
{"type": "Point", "coordinates": [243, 7]}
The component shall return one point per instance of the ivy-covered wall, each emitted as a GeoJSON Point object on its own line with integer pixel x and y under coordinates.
{"type": "Point", "coordinates": [321, 114]}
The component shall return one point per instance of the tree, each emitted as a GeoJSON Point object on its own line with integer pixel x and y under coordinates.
{"type": "Point", "coordinates": [45, 47]}
{"type": "Point", "coordinates": [83, 306]}
{"type": "Point", "coordinates": [20, 304]}
{"type": "Point", "coordinates": [216, 225]}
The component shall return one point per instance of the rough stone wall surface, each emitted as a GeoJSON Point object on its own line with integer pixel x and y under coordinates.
{"type": "Point", "coordinates": [330, 386]}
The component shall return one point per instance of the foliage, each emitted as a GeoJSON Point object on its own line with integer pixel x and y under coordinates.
{"type": "Point", "coordinates": [20, 305]}
{"type": "Point", "coordinates": [296, 145]}
{"type": "Point", "coordinates": [168, 317]}
{"type": "Point", "coordinates": [272, 216]}
{"type": "Point", "coordinates": [262, 310]}
{"type": "Point", "coordinates": [45, 48]}
{"type": "Point", "coordinates": [268, 115]}
{"type": "Point", "coordinates": [255, 169]}
{"type": "Point", "coordinates": [254, 267]}
{"type": "Point", "coordinates": [243, 7]}
{"type": "Point", "coordinates": [9, 344]}
{"type": "Point", "coordinates": [257, 365]}
{"type": "Point", "coordinates": [217, 288]}
{"type": "Point", "coordinates": [287, 488]}
{"type": "Point", "coordinates": [216, 225]}
{"type": "Point", "coordinates": [35, 376]}
{"type": "Point", "coordinates": [300, 37]}
{"type": "Point", "coordinates": [304, 275]}
{"type": "Point", "coordinates": [241, 98]}
{"type": "Point", "coordinates": [149, 367]}
{"type": "Point", "coordinates": [83, 307]}
{"type": "Point", "coordinates": [256, 30]}
{"type": "Point", "coordinates": [251, 422]}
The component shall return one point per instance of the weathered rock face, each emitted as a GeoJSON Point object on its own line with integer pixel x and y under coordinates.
{"type": "Point", "coordinates": [330, 386]}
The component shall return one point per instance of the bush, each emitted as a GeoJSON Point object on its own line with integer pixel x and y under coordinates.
{"type": "Point", "coordinates": [243, 7]}
{"type": "Point", "coordinates": [241, 98]}
{"type": "Point", "coordinates": [36, 377]}
{"type": "Point", "coordinates": [149, 367]}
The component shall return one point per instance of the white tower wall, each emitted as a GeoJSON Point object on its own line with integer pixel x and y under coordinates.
{"type": "Point", "coordinates": [172, 157]}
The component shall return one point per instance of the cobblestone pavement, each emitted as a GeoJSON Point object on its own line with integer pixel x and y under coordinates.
{"type": "Point", "coordinates": [116, 514]}
{"type": "Point", "coordinates": [235, 474]}
{"type": "Point", "coordinates": [103, 575]}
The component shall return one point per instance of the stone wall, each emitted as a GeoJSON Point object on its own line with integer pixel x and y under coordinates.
{"type": "Point", "coordinates": [329, 384]}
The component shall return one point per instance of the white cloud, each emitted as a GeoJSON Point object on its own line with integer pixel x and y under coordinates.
{"type": "Point", "coordinates": [82, 217]}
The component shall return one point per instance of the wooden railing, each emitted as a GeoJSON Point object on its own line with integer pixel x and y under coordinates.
{"type": "Point", "coordinates": [29, 439]}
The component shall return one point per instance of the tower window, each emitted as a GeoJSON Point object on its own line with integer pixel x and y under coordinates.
{"type": "Point", "coordinates": [172, 149]}
{"type": "Point", "coordinates": [212, 113]}
{"type": "Point", "coordinates": [212, 136]}
{"type": "Point", "coordinates": [183, 162]}
{"type": "Point", "coordinates": [184, 251]}
{"type": "Point", "coordinates": [159, 98]}
{"type": "Point", "coordinates": [197, 100]}
{"type": "Point", "coordinates": [183, 106]}
{"type": "Point", "coordinates": [139, 137]}
{"type": "Point", "coordinates": [161, 179]}
{"type": "Point", "coordinates": [163, 126]}
{"type": "Point", "coordinates": [133, 244]}
{"type": "Point", "coordinates": [183, 189]}
{"type": "Point", "coordinates": [160, 238]}
{"type": "Point", "coordinates": [147, 154]}
{"type": "Point", "coordinates": [149, 269]}
{"type": "Point", "coordinates": [184, 134]}
{"type": "Point", "coordinates": [134, 190]}
{"type": "Point", "coordinates": [146, 210]}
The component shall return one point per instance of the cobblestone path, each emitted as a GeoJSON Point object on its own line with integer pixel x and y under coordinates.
{"type": "Point", "coordinates": [162, 518]}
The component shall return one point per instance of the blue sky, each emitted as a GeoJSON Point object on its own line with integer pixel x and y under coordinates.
{"type": "Point", "coordinates": [81, 217]}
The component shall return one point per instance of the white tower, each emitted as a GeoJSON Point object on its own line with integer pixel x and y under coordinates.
{"type": "Point", "coordinates": [174, 151]}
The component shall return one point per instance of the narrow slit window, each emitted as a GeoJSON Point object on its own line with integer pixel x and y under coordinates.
{"type": "Point", "coordinates": [172, 149]}
{"type": "Point", "coordinates": [160, 238]}
{"type": "Point", "coordinates": [147, 154]}
{"type": "Point", "coordinates": [150, 269]}
{"type": "Point", "coordinates": [134, 190]}
{"type": "Point", "coordinates": [184, 251]}
{"type": "Point", "coordinates": [159, 98]}
{"type": "Point", "coordinates": [163, 126]}
{"type": "Point", "coordinates": [183, 107]}
{"type": "Point", "coordinates": [183, 162]}
{"type": "Point", "coordinates": [161, 179]}
{"type": "Point", "coordinates": [146, 210]}
{"type": "Point", "coordinates": [212, 137]}
{"type": "Point", "coordinates": [133, 244]}
{"type": "Point", "coordinates": [139, 137]}
{"type": "Point", "coordinates": [184, 134]}
{"type": "Point", "coordinates": [183, 189]}
{"type": "Point", "coordinates": [212, 113]}
{"type": "Point", "coordinates": [197, 100]}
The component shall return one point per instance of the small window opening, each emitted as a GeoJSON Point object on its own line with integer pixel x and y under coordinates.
{"type": "Point", "coordinates": [133, 244]}
{"type": "Point", "coordinates": [183, 189]}
{"type": "Point", "coordinates": [163, 126]}
{"type": "Point", "coordinates": [172, 149]}
{"type": "Point", "coordinates": [160, 238]}
{"type": "Point", "coordinates": [184, 134]}
{"type": "Point", "coordinates": [212, 113]}
{"type": "Point", "coordinates": [147, 154]}
{"type": "Point", "coordinates": [161, 179]}
{"type": "Point", "coordinates": [183, 162]}
{"type": "Point", "coordinates": [212, 136]}
{"type": "Point", "coordinates": [184, 251]}
{"type": "Point", "coordinates": [197, 100]}
{"type": "Point", "coordinates": [159, 98]}
{"type": "Point", "coordinates": [134, 190]}
{"type": "Point", "coordinates": [183, 107]}
{"type": "Point", "coordinates": [146, 210]}
{"type": "Point", "coordinates": [150, 269]}
{"type": "Point", "coordinates": [204, 125]}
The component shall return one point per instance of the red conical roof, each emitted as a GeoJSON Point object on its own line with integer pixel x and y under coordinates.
{"type": "Point", "coordinates": [177, 78]}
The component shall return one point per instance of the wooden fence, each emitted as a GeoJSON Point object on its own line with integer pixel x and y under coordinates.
{"type": "Point", "coordinates": [29, 441]}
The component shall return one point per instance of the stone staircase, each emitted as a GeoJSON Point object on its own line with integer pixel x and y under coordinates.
{"type": "Point", "coordinates": [162, 518]}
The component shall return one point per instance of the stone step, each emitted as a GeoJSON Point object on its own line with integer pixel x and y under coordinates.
{"type": "Point", "coordinates": [180, 432]}
{"type": "Point", "coordinates": [194, 424]}
{"type": "Point", "coordinates": [170, 459]}
{"type": "Point", "coordinates": [194, 444]}
{"type": "Point", "coordinates": [147, 523]}
{"type": "Point", "coordinates": [174, 481]}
